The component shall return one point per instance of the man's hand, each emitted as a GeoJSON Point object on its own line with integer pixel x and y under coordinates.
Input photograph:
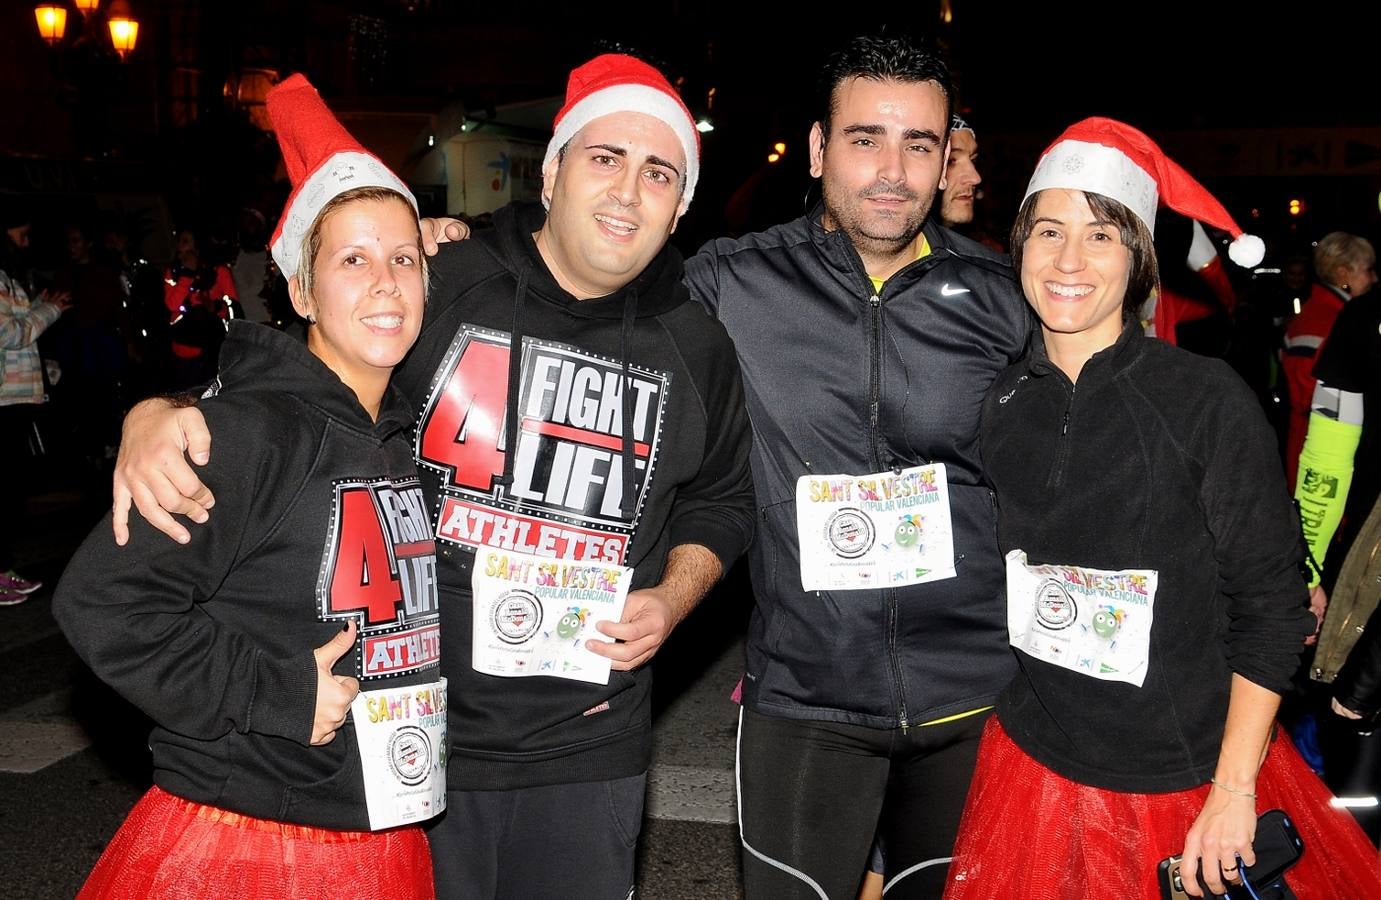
{"type": "Point", "coordinates": [1318, 605]}
{"type": "Point", "coordinates": [648, 619]}
{"type": "Point", "coordinates": [650, 614]}
{"type": "Point", "coordinates": [152, 472]}
{"type": "Point", "coordinates": [334, 693]}
{"type": "Point", "coordinates": [436, 232]}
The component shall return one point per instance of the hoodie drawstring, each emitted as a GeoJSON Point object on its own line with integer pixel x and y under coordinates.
{"type": "Point", "coordinates": [512, 412]}
{"type": "Point", "coordinates": [628, 502]}
{"type": "Point", "coordinates": [515, 376]}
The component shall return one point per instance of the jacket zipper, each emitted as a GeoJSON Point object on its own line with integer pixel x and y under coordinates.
{"type": "Point", "coordinates": [875, 449]}
{"type": "Point", "coordinates": [1057, 472]}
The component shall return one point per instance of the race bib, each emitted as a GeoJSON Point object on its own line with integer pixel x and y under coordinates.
{"type": "Point", "coordinates": [1090, 621]}
{"type": "Point", "coordinates": [533, 614]}
{"type": "Point", "coordinates": [402, 738]}
{"type": "Point", "coordinates": [873, 531]}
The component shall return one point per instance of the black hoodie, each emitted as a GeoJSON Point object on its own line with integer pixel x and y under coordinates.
{"type": "Point", "coordinates": [214, 640]}
{"type": "Point", "coordinates": [592, 478]}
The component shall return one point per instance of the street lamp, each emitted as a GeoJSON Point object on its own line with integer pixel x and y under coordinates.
{"type": "Point", "coordinates": [52, 23]}
{"type": "Point", "coordinates": [124, 28]}
{"type": "Point", "coordinates": [123, 34]}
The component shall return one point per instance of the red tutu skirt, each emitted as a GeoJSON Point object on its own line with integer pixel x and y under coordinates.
{"type": "Point", "coordinates": [1028, 832]}
{"type": "Point", "coordinates": [174, 849]}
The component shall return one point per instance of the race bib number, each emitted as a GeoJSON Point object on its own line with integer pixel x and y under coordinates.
{"type": "Point", "coordinates": [532, 615]}
{"type": "Point", "coordinates": [1090, 621]}
{"type": "Point", "coordinates": [874, 531]}
{"type": "Point", "coordinates": [402, 737]}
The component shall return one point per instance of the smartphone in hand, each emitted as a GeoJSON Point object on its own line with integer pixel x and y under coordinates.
{"type": "Point", "coordinates": [1278, 846]}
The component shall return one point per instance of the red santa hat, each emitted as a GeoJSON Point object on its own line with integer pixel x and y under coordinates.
{"type": "Point", "coordinates": [614, 83]}
{"type": "Point", "coordinates": [323, 161]}
{"type": "Point", "coordinates": [1107, 157]}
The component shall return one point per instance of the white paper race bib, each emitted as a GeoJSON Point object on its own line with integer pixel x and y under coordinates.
{"type": "Point", "coordinates": [872, 531]}
{"type": "Point", "coordinates": [1090, 621]}
{"type": "Point", "coordinates": [533, 614]}
{"type": "Point", "coordinates": [402, 738]}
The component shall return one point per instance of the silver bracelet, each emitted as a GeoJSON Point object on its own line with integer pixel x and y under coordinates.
{"type": "Point", "coordinates": [1232, 790]}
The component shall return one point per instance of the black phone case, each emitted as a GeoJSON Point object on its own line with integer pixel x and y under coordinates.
{"type": "Point", "coordinates": [1278, 846]}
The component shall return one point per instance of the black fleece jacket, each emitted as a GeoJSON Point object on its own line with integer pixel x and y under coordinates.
{"type": "Point", "coordinates": [1157, 459]}
{"type": "Point", "coordinates": [590, 477]}
{"type": "Point", "coordinates": [214, 640]}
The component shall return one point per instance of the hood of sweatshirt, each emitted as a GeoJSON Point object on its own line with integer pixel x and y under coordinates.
{"type": "Point", "coordinates": [256, 357]}
{"type": "Point", "coordinates": [656, 290]}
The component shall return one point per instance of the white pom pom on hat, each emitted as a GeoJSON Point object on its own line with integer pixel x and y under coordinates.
{"type": "Point", "coordinates": [323, 162]}
{"type": "Point", "coordinates": [1114, 159]}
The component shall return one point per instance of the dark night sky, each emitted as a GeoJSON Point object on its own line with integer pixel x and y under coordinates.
{"type": "Point", "coordinates": [1030, 69]}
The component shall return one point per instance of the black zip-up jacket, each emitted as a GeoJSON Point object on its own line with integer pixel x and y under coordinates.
{"type": "Point", "coordinates": [214, 639]}
{"type": "Point", "coordinates": [1157, 459]}
{"type": "Point", "coordinates": [840, 379]}
{"type": "Point", "coordinates": [591, 478]}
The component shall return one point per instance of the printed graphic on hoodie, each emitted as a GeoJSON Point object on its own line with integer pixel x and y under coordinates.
{"type": "Point", "coordinates": [567, 492]}
{"type": "Point", "coordinates": [380, 570]}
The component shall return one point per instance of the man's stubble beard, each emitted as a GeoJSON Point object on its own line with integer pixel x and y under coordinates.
{"type": "Point", "coordinates": [871, 243]}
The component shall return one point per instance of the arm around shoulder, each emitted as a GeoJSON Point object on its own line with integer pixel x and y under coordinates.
{"type": "Point", "coordinates": [152, 471]}
{"type": "Point", "coordinates": [137, 615]}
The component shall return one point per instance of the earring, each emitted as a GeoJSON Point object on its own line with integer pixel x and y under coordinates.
{"type": "Point", "coordinates": [311, 319]}
{"type": "Point", "coordinates": [1345, 286]}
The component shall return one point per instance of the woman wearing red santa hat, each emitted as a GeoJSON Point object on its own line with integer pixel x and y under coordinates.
{"type": "Point", "coordinates": [275, 775]}
{"type": "Point", "coordinates": [1154, 597]}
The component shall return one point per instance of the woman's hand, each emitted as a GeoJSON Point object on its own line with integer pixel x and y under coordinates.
{"type": "Point", "coordinates": [1220, 840]}
{"type": "Point", "coordinates": [334, 693]}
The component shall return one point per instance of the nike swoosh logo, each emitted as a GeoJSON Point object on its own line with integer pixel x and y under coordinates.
{"type": "Point", "coordinates": [947, 291]}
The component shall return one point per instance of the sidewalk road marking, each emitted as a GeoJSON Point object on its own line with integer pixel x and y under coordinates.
{"type": "Point", "coordinates": [39, 733]}
{"type": "Point", "coordinates": [27, 747]}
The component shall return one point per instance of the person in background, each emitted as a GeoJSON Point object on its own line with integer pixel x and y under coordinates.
{"type": "Point", "coordinates": [960, 193]}
{"type": "Point", "coordinates": [91, 344]}
{"type": "Point", "coordinates": [1346, 268]}
{"type": "Point", "coordinates": [1338, 492]}
{"type": "Point", "coordinates": [199, 296]}
{"type": "Point", "coordinates": [251, 266]}
{"type": "Point", "coordinates": [22, 391]}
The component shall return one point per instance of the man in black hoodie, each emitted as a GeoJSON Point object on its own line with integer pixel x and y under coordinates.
{"type": "Point", "coordinates": [625, 415]}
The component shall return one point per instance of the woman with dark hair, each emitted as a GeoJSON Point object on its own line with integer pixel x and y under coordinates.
{"type": "Point", "coordinates": [1154, 594]}
{"type": "Point", "coordinates": [274, 775]}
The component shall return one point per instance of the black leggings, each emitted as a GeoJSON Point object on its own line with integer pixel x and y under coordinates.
{"type": "Point", "coordinates": [813, 794]}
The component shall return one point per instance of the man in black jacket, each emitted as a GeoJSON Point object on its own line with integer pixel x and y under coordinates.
{"type": "Point", "coordinates": [868, 336]}
{"type": "Point", "coordinates": [617, 436]}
